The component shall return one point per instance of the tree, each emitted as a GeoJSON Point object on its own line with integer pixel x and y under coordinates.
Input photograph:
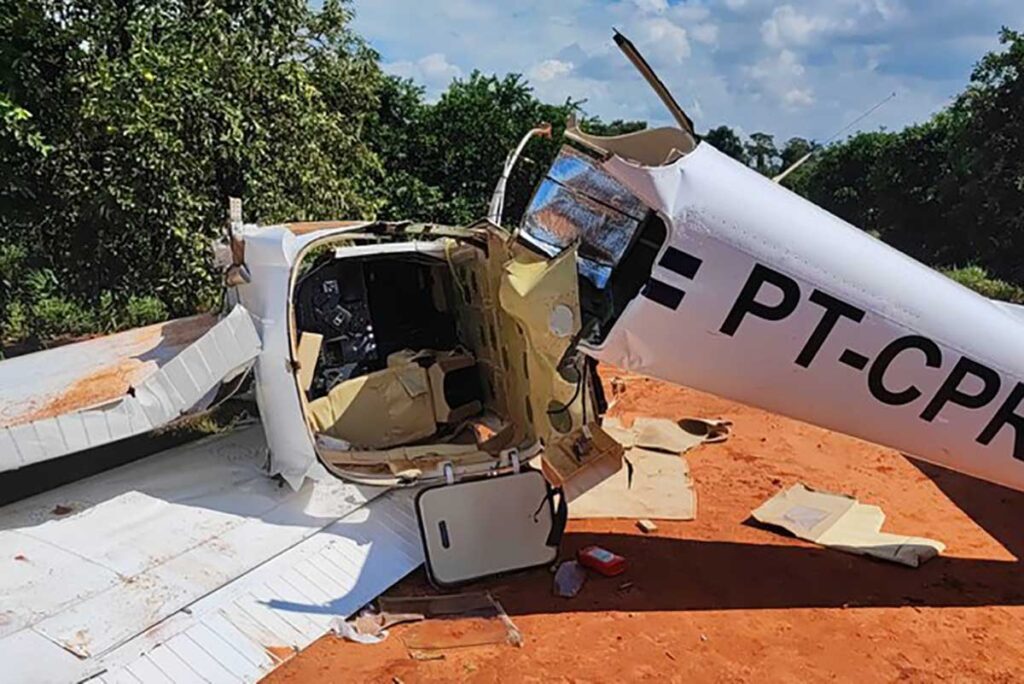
{"type": "Point", "coordinates": [762, 153]}
{"type": "Point", "coordinates": [987, 200]}
{"type": "Point", "coordinates": [948, 191]}
{"type": "Point", "coordinates": [595, 126]}
{"type": "Point", "coordinates": [453, 151]}
{"type": "Point", "coordinates": [794, 150]}
{"type": "Point", "coordinates": [725, 140]}
{"type": "Point", "coordinates": [125, 126]}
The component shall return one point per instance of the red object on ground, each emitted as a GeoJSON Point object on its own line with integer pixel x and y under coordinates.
{"type": "Point", "coordinates": [602, 560]}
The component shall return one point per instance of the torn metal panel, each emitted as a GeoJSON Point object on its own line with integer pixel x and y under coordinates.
{"type": "Point", "coordinates": [651, 146]}
{"type": "Point", "coordinates": [660, 488]}
{"type": "Point", "coordinates": [160, 397]}
{"type": "Point", "coordinates": [664, 434]}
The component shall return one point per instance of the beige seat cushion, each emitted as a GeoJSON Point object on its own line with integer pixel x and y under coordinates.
{"type": "Point", "coordinates": [382, 409]}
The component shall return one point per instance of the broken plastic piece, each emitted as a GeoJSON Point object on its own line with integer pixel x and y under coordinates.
{"type": "Point", "coordinates": [352, 631]}
{"type": "Point", "coordinates": [577, 464]}
{"type": "Point", "coordinates": [307, 355]}
{"type": "Point", "coordinates": [569, 579]}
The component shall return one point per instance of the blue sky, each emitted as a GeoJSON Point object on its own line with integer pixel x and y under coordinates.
{"type": "Point", "coordinates": [801, 68]}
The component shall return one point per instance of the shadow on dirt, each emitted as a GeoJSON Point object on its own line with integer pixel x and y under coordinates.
{"type": "Point", "coordinates": [681, 574]}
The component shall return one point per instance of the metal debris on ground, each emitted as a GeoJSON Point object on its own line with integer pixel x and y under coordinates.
{"type": "Point", "coordinates": [569, 579]}
{"type": "Point", "coordinates": [369, 627]}
{"type": "Point", "coordinates": [452, 621]}
{"type": "Point", "coordinates": [664, 434]}
{"type": "Point", "coordinates": [349, 631]}
{"type": "Point", "coordinates": [841, 522]}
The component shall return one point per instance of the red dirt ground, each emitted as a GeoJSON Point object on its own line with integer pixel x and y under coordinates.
{"type": "Point", "coordinates": [717, 599]}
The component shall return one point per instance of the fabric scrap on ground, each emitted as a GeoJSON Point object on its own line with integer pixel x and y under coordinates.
{"type": "Point", "coordinates": [661, 489]}
{"type": "Point", "coordinates": [841, 522]}
{"type": "Point", "coordinates": [664, 434]}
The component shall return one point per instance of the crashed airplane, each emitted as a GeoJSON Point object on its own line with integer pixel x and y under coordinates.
{"type": "Point", "coordinates": [389, 356]}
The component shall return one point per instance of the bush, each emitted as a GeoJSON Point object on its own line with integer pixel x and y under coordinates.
{"type": "Point", "coordinates": [56, 315]}
{"type": "Point", "coordinates": [977, 279]}
{"type": "Point", "coordinates": [141, 311]}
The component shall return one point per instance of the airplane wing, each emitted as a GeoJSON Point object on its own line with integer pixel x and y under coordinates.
{"type": "Point", "coordinates": [71, 398]}
{"type": "Point", "coordinates": [190, 565]}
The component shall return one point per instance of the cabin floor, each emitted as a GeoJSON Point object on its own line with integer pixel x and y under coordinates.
{"type": "Point", "coordinates": [717, 599]}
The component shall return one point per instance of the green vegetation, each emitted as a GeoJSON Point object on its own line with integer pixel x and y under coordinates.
{"type": "Point", "coordinates": [977, 278]}
{"type": "Point", "coordinates": [127, 124]}
{"type": "Point", "coordinates": [124, 126]}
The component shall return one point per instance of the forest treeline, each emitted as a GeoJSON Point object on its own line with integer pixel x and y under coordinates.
{"type": "Point", "coordinates": [125, 125]}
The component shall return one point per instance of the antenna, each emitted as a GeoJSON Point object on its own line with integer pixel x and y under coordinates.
{"type": "Point", "coordinates": [652, 79]}
{"type": "Point", "coordinates": [799, 162]}
{"type": "Point", "coordinates": [859, 118]}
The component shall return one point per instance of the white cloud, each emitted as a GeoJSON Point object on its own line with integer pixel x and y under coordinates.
{"type": "Point", "coordinates": [782, 66]}
{"type": "Point", "coordinates": [798, 97]}
{"type": "Point", "coordinates": [433, 70]}
{"type": "Point", "coordinates": [652, 6]}
{"type": "Point", "coordinates": [782, 77]}
{"type": "Point", "coordinates": [787, 27]}
{"type": "Point", "coordinates": [666, 40]}
{"type": "Point", "coordinates": [690, 12]}
{"type": "Point", "coordinates": [550, 69]}
{"type": "Point", "coordinates": [705, 33]}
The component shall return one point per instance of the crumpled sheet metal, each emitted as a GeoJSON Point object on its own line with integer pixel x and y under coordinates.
{"type": "Point", "coordinates": [580, 202]}
{"type": "Point", "coordinates": [841, 522]}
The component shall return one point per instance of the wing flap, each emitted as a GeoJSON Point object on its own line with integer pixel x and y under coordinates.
{"type": "Point", "coordinates": [111, 395]}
